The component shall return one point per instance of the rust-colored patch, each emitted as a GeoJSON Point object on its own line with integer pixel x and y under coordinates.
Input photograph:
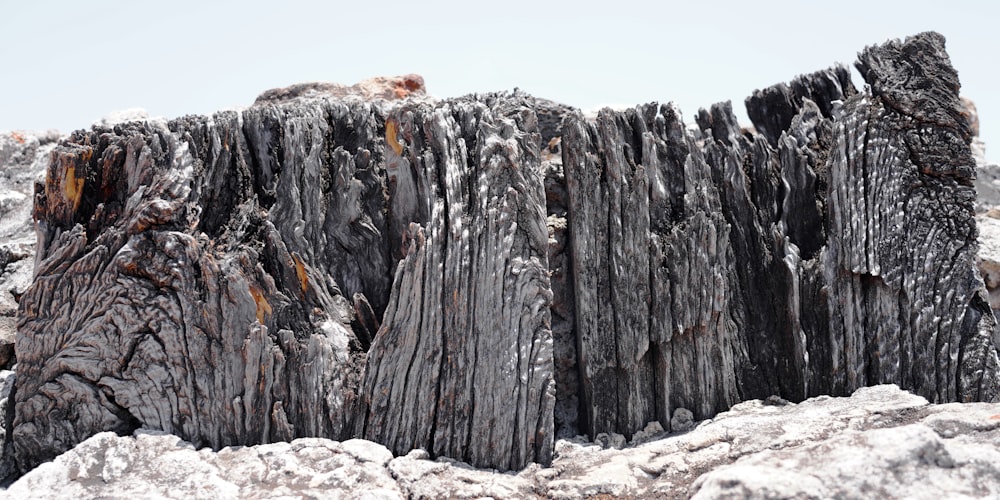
{"type": "Point", "coordinates": [300, 271]}
{"type": "Point", "coordinates": [17, 136]}
{"type": "Point", "coordinates": [390, 136]}
{"type": "Point", "coordinates": [263, 307]}
{"type": "Point", "coordinates": [995, 417]}
{"type": "Point", "coordinates": [413, 82]}
{"type": "Point", "coordinates": [408, 84]}
{"type": "Point", "coordinates": [73, 187]}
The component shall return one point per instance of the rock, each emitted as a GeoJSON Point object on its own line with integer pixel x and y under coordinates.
{"type": "Point", "coordinates": [987, 180]}
{"type": "Point", "coordinates": [391, 88]}
{"type": "Point", "coordinates": [612, 440]}
{"type": "Point", "coordinates": [7, 378]}
{"type": "Point", "coordinates": [882, 441]}
{"type": "Point", "coordinates": [123, 116]}
{"type": "Point", "coordinates": [988, 257]}
{"type": "Point", "coordinates": [971, 115]}
{"type": "Point", "coordinates": [23, 161]}
{"type": "Point", "coordinates": [917, 463]}
{"type": "Point", "coordinates": [420, 478]}
{"type": "Point", "coordinates": [652, 431]}
{"type": "Point", "coordinates": [682, 421]}
{"type": "Point", "coordinates": [158, 465]}
{"type": "Point", "coordinates": [453, 276]}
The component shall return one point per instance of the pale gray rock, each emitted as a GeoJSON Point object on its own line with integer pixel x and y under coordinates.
{"type": "Point", "coordinates": [683, 420]}
{"type": "Point", "coordinates": [23, 161]}
{"type": "Point", "coordinates": [419, 477]}
{"type": "Point", "coordinates": [153, 465]}
{"type": "Point", "coordinates": [122, 116]}
{"type": "Point", "coordinates": [610, 440]}
{"type": "Point", "coordinates": [911, 461]}
{"type": "Point", "coordinates": [380, 87]}
{"type": "Point", "coordinates": [7, 378]}
{"type": "Point", "coordinates": [881, 441]}
{"type": "Point", "coordinates": [988, 257]}
{"type": "Point", "coordinates": [653, 430]}
{"type": "Point", "coordinates": [987, 180]}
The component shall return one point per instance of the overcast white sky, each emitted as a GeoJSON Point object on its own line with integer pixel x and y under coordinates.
{"type": "Point", "coordinates": [65, 64]}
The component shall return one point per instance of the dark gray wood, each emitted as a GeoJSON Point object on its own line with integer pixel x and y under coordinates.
{"type": "Point", "coordinates": [164, 298]}
{"type": "Point", "coordinates": [462, 365]}
{"type": "Point", "coordinates": [224, 277]}
{"type": "Point", "coordinates": [473, 275]}
{"type": "Point", "coordinates": [832, 250]}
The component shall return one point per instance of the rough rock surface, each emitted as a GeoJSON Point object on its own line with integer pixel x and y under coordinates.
{"type": "Point", "coordinates": [474, 276]}
{"type": "Point", "coordinates": [881, 442]}
{"type": "Point", "coordinates": [988, 257]}
{"type": "Point", "coordinates": [987, 211]}
{"type": "Point", "coordinates": [7, 378]}
{"type": "Point", "coordinates": [382, 87]}
{"type": "Point", "coordinates": [987, 173]}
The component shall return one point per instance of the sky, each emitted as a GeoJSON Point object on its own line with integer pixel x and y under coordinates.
{"type": "Point", "coordinates": [64, 65]}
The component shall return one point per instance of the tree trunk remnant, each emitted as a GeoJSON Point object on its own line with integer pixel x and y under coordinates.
{"type": "Point", "coordinates": [462, 365]}
{"type": "Point", "coordinates": [474, 275]}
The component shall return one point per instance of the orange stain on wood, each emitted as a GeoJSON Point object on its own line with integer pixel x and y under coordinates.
{"type": "Point", "coordinates": [390, 136]}
{"type": "Point", "coordinates": [73, 187]}
{"type": "Point", "coordinates": [300, 271]}
{"type": "Point", "coordinates": [263, 306]}
{"type": "Point", "coordinates": [995, 417]}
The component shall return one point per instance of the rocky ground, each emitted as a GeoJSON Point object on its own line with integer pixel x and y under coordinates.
{"type": "Point", "coordinates": [879, 443]}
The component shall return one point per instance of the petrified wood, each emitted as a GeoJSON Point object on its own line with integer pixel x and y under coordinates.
{"type": "Point", "coordinates": [472, 275]}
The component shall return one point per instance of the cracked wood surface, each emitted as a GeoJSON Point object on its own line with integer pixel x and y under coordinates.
{"type": "Point", "coordinates": [342, 268]}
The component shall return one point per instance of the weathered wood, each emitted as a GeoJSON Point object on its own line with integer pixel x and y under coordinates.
{"type": "Point", "coordinates": [462, 365]}
{"type": "Point", "coordinates": [903, 237]}
{"type": "Point", "coordinates": [831, 250]}
{"type": "Point", "coordinates": [473, 275]}
{"type": "Point", "coordinates": [222, 278]}
{"type": "Point", "coordinates": [164, 299]}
